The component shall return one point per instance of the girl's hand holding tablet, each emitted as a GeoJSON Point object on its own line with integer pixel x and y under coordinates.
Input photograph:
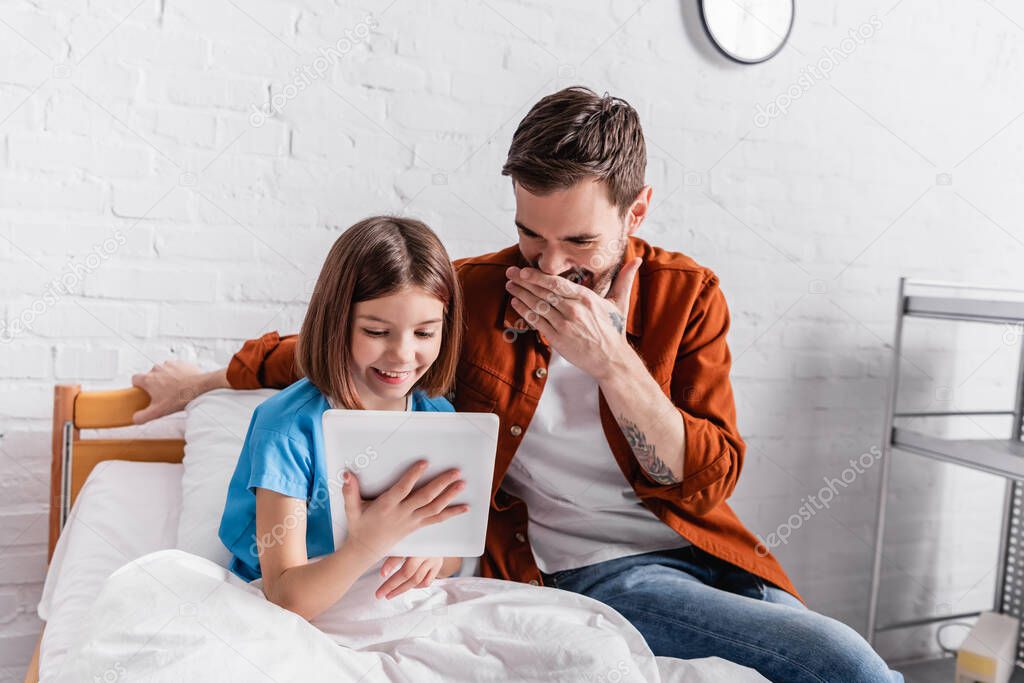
{"type": "Point", "coordinates": [375, 526]}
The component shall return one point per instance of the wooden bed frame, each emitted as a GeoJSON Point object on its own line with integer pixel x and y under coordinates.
{"type": "Point", "coordinates": [73, 457]}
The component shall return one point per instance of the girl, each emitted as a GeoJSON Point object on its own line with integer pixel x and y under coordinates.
{"type": "Point", "coordinates": [382, 332]}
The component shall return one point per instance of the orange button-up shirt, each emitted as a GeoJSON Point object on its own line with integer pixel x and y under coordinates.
{"type": "Point", "coordinates": [677, 322]}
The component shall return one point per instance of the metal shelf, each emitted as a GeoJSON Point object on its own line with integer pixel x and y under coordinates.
{"type": "Point", "coordinates": [968, 310]}
{"type": "Point", "coordinates": [1002, 457]}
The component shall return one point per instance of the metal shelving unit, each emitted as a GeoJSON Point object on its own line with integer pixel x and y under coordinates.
{"type": "Point", "coordinates": [1001, 457]}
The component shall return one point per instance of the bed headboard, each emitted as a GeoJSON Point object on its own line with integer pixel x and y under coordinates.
{"type": "Point", "coordinates": [74, 457]}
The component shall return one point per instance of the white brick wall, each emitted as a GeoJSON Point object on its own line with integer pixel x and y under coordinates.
{"type": "Point", "coordinates": [117, 119]}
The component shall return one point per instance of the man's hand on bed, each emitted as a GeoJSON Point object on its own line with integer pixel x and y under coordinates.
{"type": "Point", "coordinates": [172, 384]}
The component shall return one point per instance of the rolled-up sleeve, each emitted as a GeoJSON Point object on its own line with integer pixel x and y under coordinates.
{"type": "Point", "coordinates": [702, 393]}
{"type": "Point", "coordinates": [267, 361]}
{"type": "Point", "coordinates": [279, 463]}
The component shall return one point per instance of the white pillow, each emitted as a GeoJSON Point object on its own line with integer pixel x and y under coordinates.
{"type": "Point", "coordinates": [215, 427]}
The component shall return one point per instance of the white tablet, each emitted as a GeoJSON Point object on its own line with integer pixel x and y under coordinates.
{"type": "Point", "coordinates": [378, 446]}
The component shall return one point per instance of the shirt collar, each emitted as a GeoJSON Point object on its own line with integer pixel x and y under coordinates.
{"type": "Point", "coordinates": [413, 401]}
{"type": "Point", "coordinates": [512, 321]}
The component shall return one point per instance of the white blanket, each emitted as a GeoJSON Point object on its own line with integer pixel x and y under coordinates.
{"type": "Point", "coordinates": [172, 616]}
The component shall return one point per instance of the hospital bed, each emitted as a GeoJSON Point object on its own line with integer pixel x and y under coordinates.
{"type": "Point", "coordinates": [116, 496]}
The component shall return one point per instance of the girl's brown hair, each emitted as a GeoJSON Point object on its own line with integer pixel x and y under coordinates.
{"type": "Point", "coordinates": [376, 257]}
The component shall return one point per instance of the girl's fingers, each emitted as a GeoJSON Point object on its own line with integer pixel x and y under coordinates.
{"type": "Point", "coordinates": [350, 493]}
{"type": "Point", "coordinates": [406, 572]}
{"type": "Point", "coordinates": [391, 584]}
{"type": "Point", "coordinates": [433, 488]}
{"type": "Point", "coordinates": [442, 500]}
{"type": "Point", "coordinates": [388, 588]}
{"type": "Point", "coordinates": [431, 575]}
{"type": "Point", "coordinates": [405, 485]}
{"type": "Point", "coordinates": [390, 565]}
{"type": "Point", "coordinates": [411, 583]}
{"type": "Point", "coordinates": [445, 514]}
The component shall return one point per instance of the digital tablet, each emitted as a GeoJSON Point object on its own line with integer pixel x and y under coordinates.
{"type": "Point", "coordinates": [378, 446]}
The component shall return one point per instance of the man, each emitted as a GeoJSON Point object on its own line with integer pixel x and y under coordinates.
{"type": "Point", "coordinates": [606, 360]}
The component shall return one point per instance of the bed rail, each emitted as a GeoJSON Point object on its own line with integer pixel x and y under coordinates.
{"type": "Point", "coordinates": [74, 457]}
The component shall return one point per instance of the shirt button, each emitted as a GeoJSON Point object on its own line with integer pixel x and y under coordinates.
{"type": "Point", "coordinates": [534, 582]}
{"type": "Point", "coordinates": [515, 430]}
{"type": "Point", "coordinates": [520, 537]}
{"type": "Point", "coordinates": [540, 373]}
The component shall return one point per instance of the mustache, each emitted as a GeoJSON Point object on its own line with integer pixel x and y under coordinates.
{"type": "Point", "coordinates": [575, 274]}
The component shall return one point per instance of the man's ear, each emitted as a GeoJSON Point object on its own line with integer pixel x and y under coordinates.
{"type": "Point", "coordinates": [638, 209]}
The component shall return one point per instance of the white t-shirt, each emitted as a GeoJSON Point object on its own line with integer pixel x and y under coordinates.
{"type": "Point", "coordinates": [582, 510]}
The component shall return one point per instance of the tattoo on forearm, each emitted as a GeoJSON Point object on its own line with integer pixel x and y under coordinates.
{"type": "Point", "coordinates": [645, 455]}
{"type": "Point", "coordinates": [618, 322]}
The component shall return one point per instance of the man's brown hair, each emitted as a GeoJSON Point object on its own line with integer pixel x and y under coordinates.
{"type": "Point", "coordinates": [575, 134]}
{"type": "Point", "coordinates": [376, 257]}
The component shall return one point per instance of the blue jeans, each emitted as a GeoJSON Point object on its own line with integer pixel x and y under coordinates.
{"type": "Point", "coordinates": [690, 604]}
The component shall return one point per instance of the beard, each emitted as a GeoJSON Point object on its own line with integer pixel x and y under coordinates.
{"type": "Point", "coordinates": [599, 281]}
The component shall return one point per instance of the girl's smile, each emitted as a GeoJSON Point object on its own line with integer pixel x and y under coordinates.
{"type": "Point", "coordinates": [393, 377]}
